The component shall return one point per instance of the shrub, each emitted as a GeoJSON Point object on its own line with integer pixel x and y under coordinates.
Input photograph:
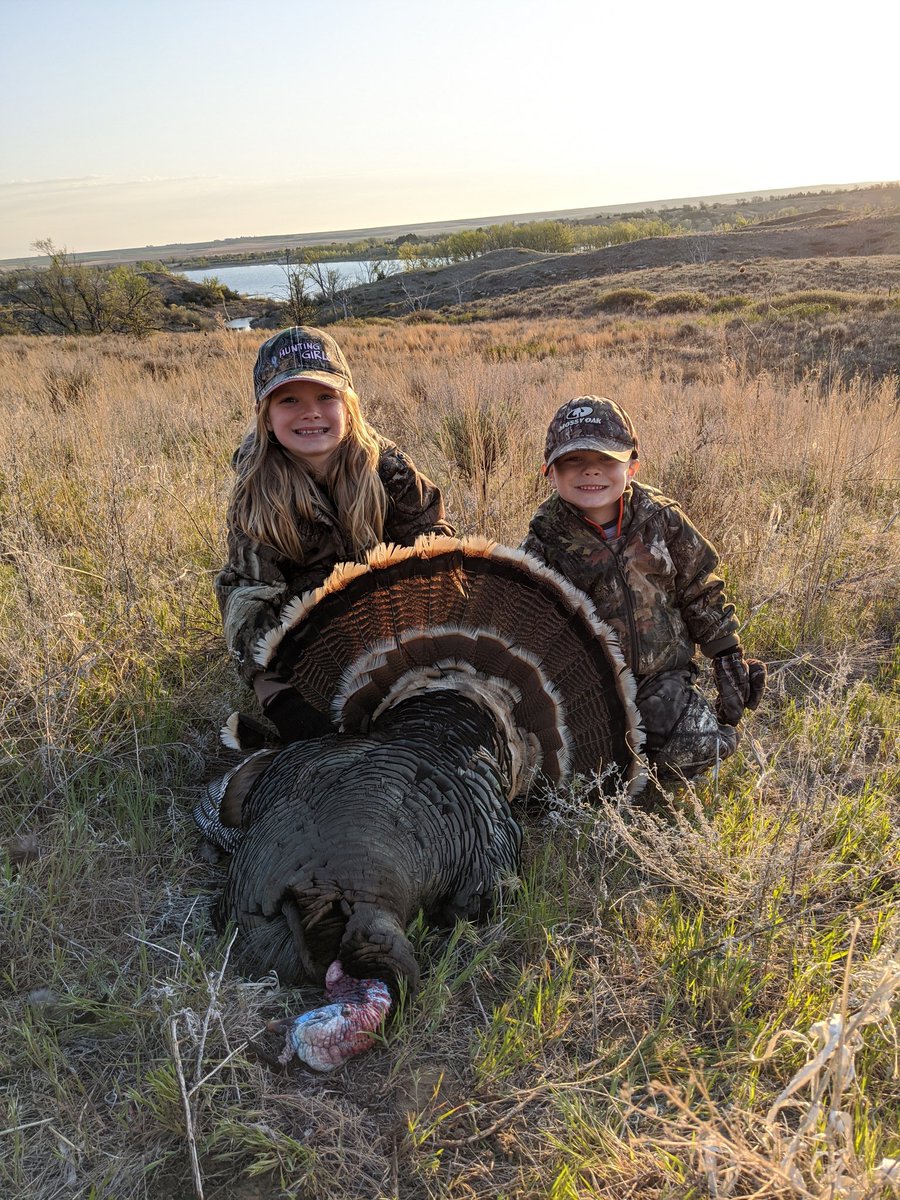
{"type": "Point", "coordinates": [189, 319]}
{"type": "Point", "coordinates": [681, 302]}
{"type": "Point", "coordinates": [69, 297]}
{"type": "Point", "coordinates": [160, 368]}
{"type": "Point", "coordinates": [622, 299]}
{"type": "Point", "coordinates": [728, 304]}
{"type": "Point", "coordinates": [802, 311]}
{"type": "Point", "coordinates": [67, 386]}
{"type": "Point", "coordinates": [473, 440]}
{"type": "Point", "coordinates": [8, 322]}
{"type": "Point", "coordinates": [506, 352]}
{"type": "Point", "coordinates": [210, 292]}
{"type": "Point", "coordinates": [829, 301]}
{"type": "Point", "coordinates": [425, 316]}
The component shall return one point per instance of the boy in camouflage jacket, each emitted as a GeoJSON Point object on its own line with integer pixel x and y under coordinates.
{"type": "Point", "coordinates": [651, 575]}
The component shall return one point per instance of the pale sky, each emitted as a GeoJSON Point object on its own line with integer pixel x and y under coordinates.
{"type": "Point", "coordinates": [156, 121]}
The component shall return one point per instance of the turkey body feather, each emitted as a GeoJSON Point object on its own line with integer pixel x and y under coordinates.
{"type": "Point", "coordinates": [347, 837]}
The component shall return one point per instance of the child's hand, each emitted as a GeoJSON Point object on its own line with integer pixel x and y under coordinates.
{"type": "Point", "coordinates": [740, 683]}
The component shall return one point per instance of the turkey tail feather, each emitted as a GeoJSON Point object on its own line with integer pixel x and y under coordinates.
{"type": "Point", "coordinates": [359, 638]}
{"type": "Point", "coordinates": [219, 811]}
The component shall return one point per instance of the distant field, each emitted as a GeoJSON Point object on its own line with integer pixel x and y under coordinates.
{"type": "Point", "coordinates": [854, 195]}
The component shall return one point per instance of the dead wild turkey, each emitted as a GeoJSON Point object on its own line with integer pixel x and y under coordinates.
{"type": "Point", "coordinates": [456, 674]}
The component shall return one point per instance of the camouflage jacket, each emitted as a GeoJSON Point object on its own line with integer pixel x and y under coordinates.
{"type": "Point", "coordinates": [655, 584]}
{"type": "Point", "coordinates": [258, 581]}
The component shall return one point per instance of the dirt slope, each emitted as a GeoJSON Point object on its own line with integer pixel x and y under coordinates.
{"type": "Point", "coordinates": [826, 234]}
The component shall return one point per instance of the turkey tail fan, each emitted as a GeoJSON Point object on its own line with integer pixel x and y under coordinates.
{"type": "Point", "coordinates": [219, 811]}
{"type": "Point", "coordinates": [478, 617]}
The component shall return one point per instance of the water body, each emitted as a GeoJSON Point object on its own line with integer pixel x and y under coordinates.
{"type": "Point", "coordinates": [269, 280]}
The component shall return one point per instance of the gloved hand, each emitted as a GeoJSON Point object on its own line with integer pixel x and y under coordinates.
{"type": "Point", "coordinates": [294, 718]}
{"type": "Point", "coordinates": [740, 683]}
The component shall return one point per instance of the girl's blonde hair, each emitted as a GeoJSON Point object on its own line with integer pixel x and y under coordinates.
{"type": "Point", "coordinates": [273, 489]}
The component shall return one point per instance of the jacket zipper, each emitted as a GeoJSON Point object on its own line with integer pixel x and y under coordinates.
{"type": "Point", "coordinates": [626, 594]}
{"type": "Point", "coordinates": [629, 606]}
{"type": "Point", "coordinates": [629, 612]}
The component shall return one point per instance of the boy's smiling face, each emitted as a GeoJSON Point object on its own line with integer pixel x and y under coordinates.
{"type": "Point", "coordinates": [592, 482]}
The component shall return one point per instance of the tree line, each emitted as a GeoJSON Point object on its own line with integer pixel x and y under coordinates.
{"type": "Point", "coordinates": [548, 236]}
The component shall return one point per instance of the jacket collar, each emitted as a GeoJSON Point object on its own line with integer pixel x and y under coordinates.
{"type": "Point", "coordinates": [639, 505]}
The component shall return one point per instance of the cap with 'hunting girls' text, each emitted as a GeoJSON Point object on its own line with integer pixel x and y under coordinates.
{"type": "Point", "coordinates": [300, 352]}
{"type": "Point", "coordinates": [591, 423]}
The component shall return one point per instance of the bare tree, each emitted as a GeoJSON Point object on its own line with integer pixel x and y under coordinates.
{"type": "Point", "coordinates": [417, 293]}
{"type": "Point", "coordinates": [328, 281]}
{"type": "Point", "coordinates": [701, 249]}
{"type": "Point", "coordinates": [459, 287]}
{"type": "Point", "coordinates": [301, 305]}
{"type": "Point", "coordinates": [373, 270]}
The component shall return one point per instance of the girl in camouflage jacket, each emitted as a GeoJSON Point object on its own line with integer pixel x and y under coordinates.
{"type": "Point", "coordinates": [315, 485]}
{"type": "Point", "coordinates": [652, 577]}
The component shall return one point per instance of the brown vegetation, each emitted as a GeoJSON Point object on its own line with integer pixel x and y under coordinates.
{"type": "Point", "coordinates": [607, 1032]}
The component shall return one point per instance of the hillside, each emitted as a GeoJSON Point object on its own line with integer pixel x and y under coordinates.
{"type": "Point", "coordinates": [803, 292]}
{"type": "Point", "coordinates": [826, 234]}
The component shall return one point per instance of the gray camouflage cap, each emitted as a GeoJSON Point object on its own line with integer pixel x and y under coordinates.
{"type": "Point", "coordinates": [300, 352]}
{"type": "Point", "coordinates": [591, 423]}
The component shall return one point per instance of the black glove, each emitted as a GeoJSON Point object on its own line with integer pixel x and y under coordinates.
{"type": "Point", "coordinates": [294, 718]}
{"type": "Point", "coordinates": [740, 683]}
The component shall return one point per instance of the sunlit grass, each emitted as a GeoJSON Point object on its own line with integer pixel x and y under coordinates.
{"type": "Point", "coordinates": [606, 1030]}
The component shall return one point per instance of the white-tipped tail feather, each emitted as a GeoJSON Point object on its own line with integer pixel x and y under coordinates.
{"type": "Point", "coordinates": [472, 601]}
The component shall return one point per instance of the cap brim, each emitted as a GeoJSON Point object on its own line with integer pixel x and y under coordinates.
{"type": "Point", "coordinates": [610, 449]}
{"type": "Point", "coordinates": [327, 377]}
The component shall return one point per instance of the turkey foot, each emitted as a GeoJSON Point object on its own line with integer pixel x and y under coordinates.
{"type": "Point", "coordinates": [326, 1037]}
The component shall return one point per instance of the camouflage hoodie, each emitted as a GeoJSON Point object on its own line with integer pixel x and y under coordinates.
{"type": "Point", "coordinates": [258, 581]}
{"type": "Point", "coordinates": [655, 583]}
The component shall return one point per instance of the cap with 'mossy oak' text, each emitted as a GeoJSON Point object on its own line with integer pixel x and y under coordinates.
{"type": "Point", "coordinates": [591, 423]}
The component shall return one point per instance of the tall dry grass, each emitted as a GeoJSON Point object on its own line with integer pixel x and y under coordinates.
{"type": "Point", "coordinates": [604, 1035]}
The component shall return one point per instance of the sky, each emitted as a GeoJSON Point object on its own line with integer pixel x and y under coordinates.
{"type": "Point", "coordinates": [160, 121]}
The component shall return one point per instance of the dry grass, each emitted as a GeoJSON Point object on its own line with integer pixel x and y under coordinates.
{"type": "Point", "coordinates": [875, 277]}
{"type": "Point", "coordinates": [626, 1024]}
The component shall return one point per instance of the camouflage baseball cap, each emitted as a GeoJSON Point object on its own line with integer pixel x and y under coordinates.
{"type": "Point", "coordinates": [591, 423]}
{"type": "Point", "coordinates": [300, 353]}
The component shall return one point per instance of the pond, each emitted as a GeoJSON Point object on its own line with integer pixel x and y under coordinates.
{"type": "Point", "coordinates": [270, 280]}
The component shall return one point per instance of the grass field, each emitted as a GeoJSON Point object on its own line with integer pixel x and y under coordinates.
{"type": "Point", "coordinates": [635, 1020]}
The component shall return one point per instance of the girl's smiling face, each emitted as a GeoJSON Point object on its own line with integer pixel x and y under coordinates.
{"type": "Point", "coordinates": [592, 482]}
{"type": "Point", "coordinates": [309, 420]}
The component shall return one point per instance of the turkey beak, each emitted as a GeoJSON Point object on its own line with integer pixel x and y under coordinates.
{"type": "Point", "coordinates": [281, 1026]}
